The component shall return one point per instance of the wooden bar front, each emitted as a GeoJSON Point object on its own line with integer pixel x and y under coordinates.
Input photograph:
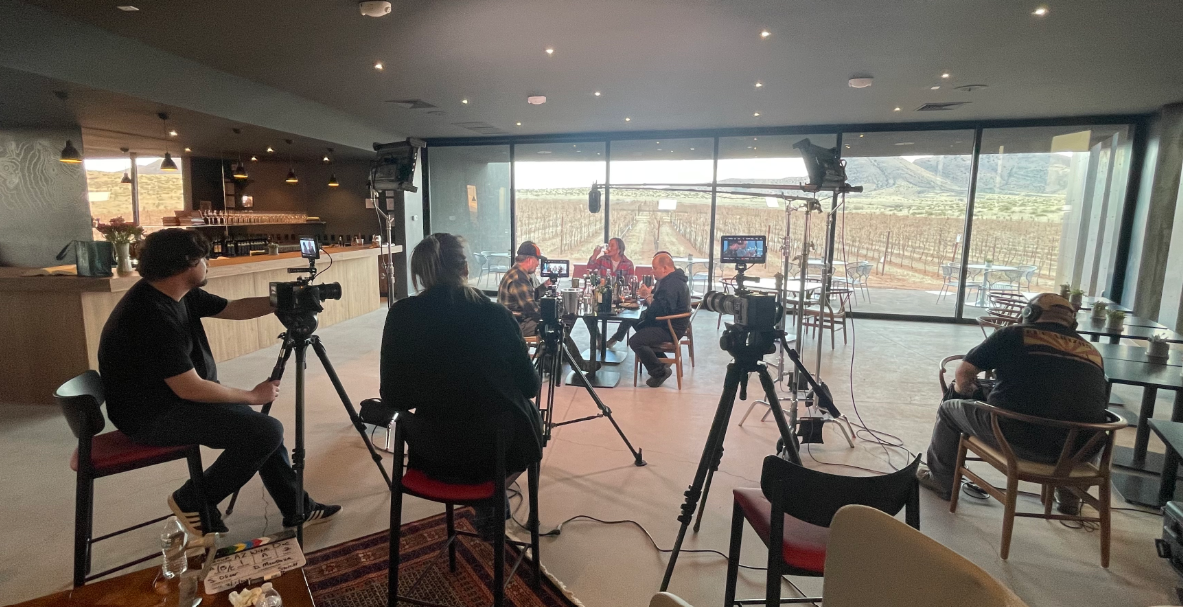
{"type": "Point", "coordinates": [51, 324]}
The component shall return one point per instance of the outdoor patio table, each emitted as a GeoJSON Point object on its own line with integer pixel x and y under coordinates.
{"type": "Point", "coordinates": [984, 290]}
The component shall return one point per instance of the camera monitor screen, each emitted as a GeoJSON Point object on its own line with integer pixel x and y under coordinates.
{"type": "Point", "coordinates": [308, 248]}
{"type": "Point", "coordinates": [558, 268]}
{"type": "Point", "coordinates": [743, 249]}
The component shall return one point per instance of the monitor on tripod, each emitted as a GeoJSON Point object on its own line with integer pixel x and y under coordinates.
{"type": "Point", "coordinates": [743, 249]}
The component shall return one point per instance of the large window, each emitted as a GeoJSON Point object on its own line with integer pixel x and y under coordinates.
{"type": "Point", "coordinates": [160, 192]}
{"type": "Point", "coordinates": [1048, 204]}
{"type": "Point", "coordinates": [551, 183]}
{"type": "Point", "coordinates": [901, 238]}
{"type": "Point", "coordinates": [109, 197]}
{"type": "Point", "coordinates": [650, 221]}
{"type": "Point", "coordinates": [469, 196]}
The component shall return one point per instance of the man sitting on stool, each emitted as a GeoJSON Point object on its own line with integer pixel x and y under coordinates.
{"type": "Point", "coordinates": [1044, 369]}
{"type": "Point", "coordinates": [162, 385]}
{"type": "Point", "coordinates": [519, 291]}
{"type": "Point", "coordinates": [610, 262]}
{"type": "Point", "coordinates": [671, 295]}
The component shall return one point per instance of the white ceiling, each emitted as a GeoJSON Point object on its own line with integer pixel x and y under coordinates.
{"type": "Point", "coordinates": [673, 64]}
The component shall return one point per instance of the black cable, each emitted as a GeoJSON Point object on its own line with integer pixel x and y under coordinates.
{"type": "Point", "coordinates": [329, 267]}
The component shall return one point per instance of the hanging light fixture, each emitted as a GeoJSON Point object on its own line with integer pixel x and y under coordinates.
{"type": "Point", "coordinates": [126, 178]}
{"type": "Point", "coordinates": [333, 181]}
{"type": "Point", "coordinates": [168, 164]}
{"type": "Point", "coordinates": [70, 154]}
{"type": "Point", "coordinates": [332, 176]}
{"type": "Point", "coordinates": [291, 167]}
{"type": "Point", "coordinates": [240, 170]}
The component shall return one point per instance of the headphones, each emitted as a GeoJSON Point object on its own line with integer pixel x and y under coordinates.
{"type": "Point", "coordinates": [1031, 313]}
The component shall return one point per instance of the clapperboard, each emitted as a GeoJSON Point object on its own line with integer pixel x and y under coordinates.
{"type": "Point", "coordinates": [254, 562]}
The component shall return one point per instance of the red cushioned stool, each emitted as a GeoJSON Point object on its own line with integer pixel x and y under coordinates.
{"type": "Point", "coordinates": [409, 430]}
{"type": "Point", "coordinates": [100, 455]}
{"type": "Point", "coordinates": [792, 510]}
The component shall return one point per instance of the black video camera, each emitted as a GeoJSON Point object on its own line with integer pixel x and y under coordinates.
{"type": "Point", "coordinates": [298, 302]}
{"type": "Point", "coordinates": [752, 312]}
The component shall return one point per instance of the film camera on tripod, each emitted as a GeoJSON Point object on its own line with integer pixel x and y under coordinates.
{"type": "Point", "coordinates": [298, 302]}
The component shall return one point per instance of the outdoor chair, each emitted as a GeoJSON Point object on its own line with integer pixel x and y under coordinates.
{"type": "Point", "coordinates": [674, 346]}
{"type": "Point", "coordinates": [863, 272]}
{"type": "Point", "coordinates": [1009, 279]}
{"type": "Point", "coordinates": [433, 441]}
{"type": "Point", "coordinates": [1073, 470]}
{"type": "Point", "coordinates": [107, 454]}
{"type": "Point", "coordinates": [821, 317]}
{"type": "Point", "coordinates": [950, 281]}
{"type": "Point", "coordinates": [1028, 275]}
{"type": "Point", "coordinates": [792, 511]}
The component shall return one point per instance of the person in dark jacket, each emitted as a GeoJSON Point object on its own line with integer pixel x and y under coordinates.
{"type": "Point", "coordinates": [459, 362]}
{"type": "Point", "coordinates": [671, 295]}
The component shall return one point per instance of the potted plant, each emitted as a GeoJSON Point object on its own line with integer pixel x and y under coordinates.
{"type": "Point", "coordinates": [1116, 319]}
{"type": "Point", "coordinates": [1076, 298]}
{"type": "Point", "coordinates": [121, 234]}
{"type": "Point", "coordinates": [1065, 290]}
{"type": "Point", "coordinates": [1159, 348]}
{"type": "Point", "coordinates": [1099, 309]}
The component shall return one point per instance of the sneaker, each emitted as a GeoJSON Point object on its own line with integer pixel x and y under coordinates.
{"type": "Point", "coordinates": [318, 514]}
{"type": "Point", "coordinates": [925, 478]}
{"type": "Point", "coordinates": [191, 518]}
{"type": "Point", "coordinates": [612, 343]}
{"type": "Point", "coordinates": [656, 380]}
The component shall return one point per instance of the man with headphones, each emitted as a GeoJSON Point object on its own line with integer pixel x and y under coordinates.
{"type": "Point", "coordinates": [1043, 369]}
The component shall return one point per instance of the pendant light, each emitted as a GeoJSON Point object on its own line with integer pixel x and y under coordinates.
{"type": "Point", "coordinates": [126, 177]}
{"type": "Point", "coordinates": [239, 170]}
{"type": "Point", "coordinates": [291, 167]}
{"type": "Point", "coordinates": [168, 164]}
{"type": "Point", "coordinates": [332, 176]}
{"type": "Point", "coordinates": [70, 154]}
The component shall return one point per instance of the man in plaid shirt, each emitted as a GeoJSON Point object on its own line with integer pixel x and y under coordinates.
{"type": "Point", "coordinates": [519, 292]}
{"type": "Point", "coordinates": [608, 263]}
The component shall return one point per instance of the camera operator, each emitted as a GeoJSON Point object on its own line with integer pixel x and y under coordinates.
{"type": "Point", "coordinates": [162, 385]}
{"type": "Point", "coordinates": [519, 291]}
{"type": "Point", "coordinates": [459, 361]}
{"type": "Point", "coordinates": [610, 262]}
{"type": "Point", "coordinates": [671, 295]}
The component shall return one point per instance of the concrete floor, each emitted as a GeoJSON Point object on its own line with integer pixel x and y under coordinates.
{"type": "Point", "coordinates": [588, 471]}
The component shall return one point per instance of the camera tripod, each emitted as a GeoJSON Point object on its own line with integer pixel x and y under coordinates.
{"type": "Point", "coordinates": [552, 352]}
{"type": "Point", "coordinates": [747, 349]}
{"type": "Point", "coordinates": [297, 339]}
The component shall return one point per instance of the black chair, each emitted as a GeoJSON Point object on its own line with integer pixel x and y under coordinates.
{"type": "Point", "coordinates": [435, 442]}
{"type": "Point", "coordinates": [806, 501]}
{"type": "Point", "coordinates": [106, 454]}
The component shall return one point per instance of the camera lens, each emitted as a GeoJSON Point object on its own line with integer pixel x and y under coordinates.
{"type": "Point", "coordinates": [722, 303]}
{"type": "Point", "coordinates": [330, 290]}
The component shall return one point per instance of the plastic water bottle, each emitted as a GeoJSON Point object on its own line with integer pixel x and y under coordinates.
{"type": "Point", "coordinates": [269, 598]}
{"type": "Point", "coordinates": [173, 541]}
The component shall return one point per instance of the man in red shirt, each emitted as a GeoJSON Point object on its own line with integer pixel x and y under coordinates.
{"type": "Point", "coordinates": [609, 263]}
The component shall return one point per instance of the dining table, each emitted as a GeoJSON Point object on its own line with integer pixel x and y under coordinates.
{"type": "Point", "coordinates": [1151, 377]}
{"type": "Point", "coordinates": [600, 377]}
{"type": "Point", "coordinates": [1138, 354]}
{"type": "Point", "coordinates": [1131, 329]}
{"type": "Point", "coordinates": [983, 300]}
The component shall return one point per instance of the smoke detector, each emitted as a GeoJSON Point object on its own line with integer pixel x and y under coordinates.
{"type": "Point", "coordinates": [372, 8]}
{"type": "Point", "coordinates": [860, 82]}
{"type": "Point", "coordinates": [536, 99]}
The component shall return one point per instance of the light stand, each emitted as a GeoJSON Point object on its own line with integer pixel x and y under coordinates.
{"type": "Point", "coordinates": [386, 255]}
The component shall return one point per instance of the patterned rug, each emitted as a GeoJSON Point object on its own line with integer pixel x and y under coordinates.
{"type": "Point", "coordinates": [353, 574]}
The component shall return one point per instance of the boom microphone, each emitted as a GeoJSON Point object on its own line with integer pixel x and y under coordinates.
{"type": "Point", "coordinates": [593, 198]}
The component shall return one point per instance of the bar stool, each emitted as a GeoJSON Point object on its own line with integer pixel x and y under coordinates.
{"type": "Point", "coordinates": [107, 454]}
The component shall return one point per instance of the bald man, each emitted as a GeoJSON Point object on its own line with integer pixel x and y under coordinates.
{"type": "Point", "coordinates": [671, 295]}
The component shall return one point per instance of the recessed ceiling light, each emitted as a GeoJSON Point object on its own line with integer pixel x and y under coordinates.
{"type": "Point", "coordinates": [172, 133]}
{"type": "Point", "coordinates": [597, 93]}
{"type": "Point", "coordinates": [1041, 11]}
{"type": "Point", "coordinates": [905, 143]}
{"type": "Point", "coordinates": [519, 124]}
{"type": "Point", "coordinates": [658, 149]}
{"type": "Point", "coordinates": [896, 109]}
{"type": "Point", "coordinates": [861, 135]}
{"type": "Point", "coordinates": [550, 51]}
{"type": "Point", "coordinates": [933, 88]}
{"type": "Point", "coordinates": [270, 150]}
{"type": "Point", "coordinates": [944, 74]}
{"type": "Point", "coordinates": [658, 142]}
{"type": "Point", "coordinates": [848, 146]}
{"type": "Point", "coordinates": [628, 119]}
{"type": "Point", "coordinates": [764, 34]}
{"type": "Point", "coordinates": [691, 149]}
{"type": "Point", "coordinates": [756, 114]}
{"type": "Point", "coordinates": [127, 8]}
{"type": "Point", "coordinates": [755, 139]}
{"type": "Point", "coordinates": [188, 150]}
{"type": "Point", "coordinates": [254, 158]}
{"type": "Point", "coordinates": [378, 66]}
{"type": "Point", "coordinates": [759, 84]}
{"type": "Point", "coordinates": [464, 101]}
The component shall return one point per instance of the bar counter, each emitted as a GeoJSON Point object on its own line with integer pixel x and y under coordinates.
{"type": "Point", "coordinates": [50, 325]}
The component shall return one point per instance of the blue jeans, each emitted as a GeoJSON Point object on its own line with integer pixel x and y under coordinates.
{"type": "Point", "coordinates": [250, 441]}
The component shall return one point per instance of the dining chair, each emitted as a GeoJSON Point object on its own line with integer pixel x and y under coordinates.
{"type": "Point", "coordinates": [820, 317]}
{"type": "Point", "coordinates": [1074, 469]}
{"type": "Point", "coordinates": [674, 346]}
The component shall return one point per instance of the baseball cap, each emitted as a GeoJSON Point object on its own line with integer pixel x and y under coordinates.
{"type": "Point", "coordinates": [529, 248]}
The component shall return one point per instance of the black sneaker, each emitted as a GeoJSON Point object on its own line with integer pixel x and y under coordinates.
{"type": "Point", "coordinates": [655, 381]}
{"type": "Point", "coordinates": [319, 514]}
{"type": "Point", "coordinates": [191, 518]}
{"type": "Point", "coordinates": [925, 478]}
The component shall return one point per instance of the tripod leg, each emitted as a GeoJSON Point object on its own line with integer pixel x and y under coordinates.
{"type": "Point", "coordinates": [353, 417]}
{"type": "Point", "coordinates": [298, 449]}
{"type": "Point", "coordinates": [786, 432]}
{"type": "Point", "coordinates": [706, 490]}
{"type": "Point", "coordinates": [637, 459]}
{"type": "Point", "coordinates": [285, 352]}
{"type": "Point", "coordinates": [714, 440]}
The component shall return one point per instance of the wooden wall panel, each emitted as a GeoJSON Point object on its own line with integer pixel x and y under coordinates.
{"type": "Point", "coordinates": [43, 344]}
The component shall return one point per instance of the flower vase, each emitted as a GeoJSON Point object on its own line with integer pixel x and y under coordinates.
{"type": "Point", "coordinates": [123, 256]}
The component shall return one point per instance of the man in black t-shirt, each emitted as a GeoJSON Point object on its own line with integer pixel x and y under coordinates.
{"type": "Point", "coordinates": [1043, 369]}
{"type": "Point", "coordinates": [162, 385]}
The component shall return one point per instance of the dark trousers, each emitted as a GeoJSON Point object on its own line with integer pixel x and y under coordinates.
{"type": "Point", "coordinates": [644, 341]}
{"type": "Point", "coordinates": [250, 441]}
{"type": "Point", "coordinates": [593, 329]}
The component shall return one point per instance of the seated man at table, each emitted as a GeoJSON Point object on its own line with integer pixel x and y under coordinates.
{"type": "Point", "coordinates": [609, 263]}
{"type": "Point", "coordinates": [1043, 369]}
{"type": "Point", "coordinates": [162, 385]}
{"type": "Point", "coordinates": [671, 295]}
{"type": "Point", "coordinates": [520, 290]}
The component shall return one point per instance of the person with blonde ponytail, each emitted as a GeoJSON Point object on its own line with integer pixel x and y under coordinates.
{"type": "Point", "coordinates": [458, 360]}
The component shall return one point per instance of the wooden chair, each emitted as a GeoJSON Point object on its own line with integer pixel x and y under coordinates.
{"type": "Point", "coordinates": [821, 317]}
{"type": "Point", "coordinates": [673, 346]}
{"type": "Point", "coordinates": [1073, 470]}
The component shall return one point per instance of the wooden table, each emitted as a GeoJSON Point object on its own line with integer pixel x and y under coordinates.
{"type": "Point", "coordinates": [600, 378]}
{"type": "Point", "coordinates": [1151, 377]}
{"type": "Point", "coordinates": [136, 589]}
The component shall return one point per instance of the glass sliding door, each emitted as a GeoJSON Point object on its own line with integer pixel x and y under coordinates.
{"type": "Point", "coordinates": [678, 222]}
{"type": "Point", "coordinates": [469, 195]}
{"type": "Point", "coordinates": [1049, 202]}
{"type": "Point", "coordinates": [902, 236]}
{"type": "Point", "coordinates": [551, 184]}
{"type": "Point", "coordinates": [766, 160]}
